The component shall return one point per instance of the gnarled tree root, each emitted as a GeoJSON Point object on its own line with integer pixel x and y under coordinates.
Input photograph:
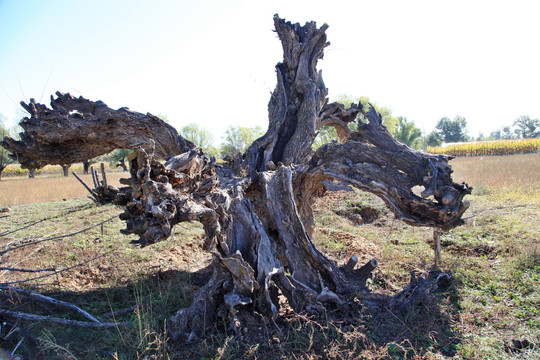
{"type": "Point", "coordinates": [217, 300]}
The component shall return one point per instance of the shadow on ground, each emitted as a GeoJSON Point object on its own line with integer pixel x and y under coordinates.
{"type": "Point", "coordinates": [147, 303]}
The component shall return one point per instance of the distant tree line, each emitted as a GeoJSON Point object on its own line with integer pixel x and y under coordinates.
{"type": "Point", "coordinates": [5, 160]}
{"type": "Point", "coordinates": [446, 130]}
{"type": "Point", "coordinates": [238, 138]}
{"type": "Point", "coordinates": [523, 128]}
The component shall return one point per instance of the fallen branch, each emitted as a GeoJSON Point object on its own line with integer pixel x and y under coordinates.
{"type": "Point", "coordinates": [49, 145]}
{"type": "Point", "coordinates": [92, 193]}
{"type": "Point", "coordinates": [55, 320]}
{"type": "Point", "coordinates": [17, 328]}
{"type": "Point", "coordinates": [103, 193]}
{"type": "Point", "coordinates": [42, 298]}
{"type": "Point", "coordinates": [420, 290]}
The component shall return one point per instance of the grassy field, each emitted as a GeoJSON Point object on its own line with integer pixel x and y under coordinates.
{"type": "Point", "coordinates": [18, 190]}
{"type": "Point", "coordinates": [503, 176]}
{"type": "Point", "coordinates": [491, 310]}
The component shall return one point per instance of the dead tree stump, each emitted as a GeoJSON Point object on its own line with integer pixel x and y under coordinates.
{"type": "Point", "coordinates": [257, 210]}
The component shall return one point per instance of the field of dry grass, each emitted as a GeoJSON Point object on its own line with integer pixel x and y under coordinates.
{"type": "Point", "coordinates": [503, 175]}
{"type": "Point", "coordinates": [512, 175]}
{"type": "Point", "coordinates": [491, 310]}
{"type": "Point", "coordinates": [18, 190]}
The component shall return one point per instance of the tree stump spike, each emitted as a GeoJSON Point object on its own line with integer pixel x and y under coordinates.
{"type": "Point", "coordinates": [351, 264]}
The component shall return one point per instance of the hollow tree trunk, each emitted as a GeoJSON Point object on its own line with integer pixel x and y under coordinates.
{"type": "Point", "coordinates": [257, 210]}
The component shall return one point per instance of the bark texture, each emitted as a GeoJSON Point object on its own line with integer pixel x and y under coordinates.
{"type": "Point", "coordinates": [257, 209]}
{"type": "Point", "coordinates": [77, 129]}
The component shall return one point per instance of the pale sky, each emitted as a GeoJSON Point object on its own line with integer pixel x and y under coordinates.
{"type": "Point", "coordinates": [212, 62]}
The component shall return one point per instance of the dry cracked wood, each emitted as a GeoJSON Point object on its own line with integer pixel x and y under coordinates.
{"type": "Point", "coordinates": [77, 129]}
{"type": "Point", "coordinates": [257, 209]}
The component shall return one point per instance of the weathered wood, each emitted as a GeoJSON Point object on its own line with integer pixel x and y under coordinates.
{"type": "Point", "coordinates": [61, 321]}
{"type": "Point", "coordinates": [420, 289]}
{"type": "Point", "coordinates": [104, 184]}
{"type": "Point", "coordinates": [105, 193]}
{"type": "Point", "coordinates": [372, 160]}
{"type": "Point", "coordinates": [16, 292]}
{"type": "Point", "coordinates": [95, 180]}
{"type": "Point", "coordinates": [297, 101]}
{"type": "Point", "coordinates": [351, 264]}
{"type": "Point", "coordinates": [365, 271]}
{"type": "Point", "coordinates": [256, 210]}
{"type": "Point", "coordinates": [92, 193]}
{"type": "Point", "coordinates": [77, 129]}
{"type": "Point", "coordinates": [122, 164]}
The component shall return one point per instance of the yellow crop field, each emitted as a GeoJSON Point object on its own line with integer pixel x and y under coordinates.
{"type": "Point", "coordinates": [483, 148]}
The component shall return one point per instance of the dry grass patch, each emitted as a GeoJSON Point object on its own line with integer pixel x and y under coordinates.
{"type": "Point", "coordinates": [517, 175]}
{"type": "Point", "coordinates": [18, 190]}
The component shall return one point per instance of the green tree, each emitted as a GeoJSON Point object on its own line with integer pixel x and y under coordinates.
{"type": "Point", "coordinates": [238, 138]}
{"type": "Point", "coordinates": [5, 160]}
{"type": "Point", "coordinates": [481, 137]}
{"type": "Point", "coordinates": [527, 127]}
{"type": "Point", "coordinates": [118, 158]}
{"type": "Point", "coordinates": [408, 133]}
{"type": "Point", "coordinates": [452, 130]}
{"type": "Point", "coordinates": [200, 136]}
{"type": "Point", "coordinates": [326, 134]}
{"type": "Point", "coordinates": [507, 133]}
{"type": "Point", "coordinates": [496, 134]}
{"type": "Point", "coordinates": [432, 139]}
